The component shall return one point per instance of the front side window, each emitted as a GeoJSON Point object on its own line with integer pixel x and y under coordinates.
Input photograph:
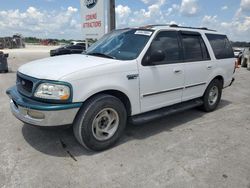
{"type": "Point", "coordinates": [125, 44]}
{"type": "Point", "coordinates": [221, 46]}
{"type": "Point", "coordinates": [167, 42]}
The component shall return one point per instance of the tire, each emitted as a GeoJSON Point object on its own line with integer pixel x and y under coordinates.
{"type": "Point", "coordinates": [94, 117]}
{"type": "Point", "coordinates": [244, 62]}
{"type": "Point", "coordinates": [210, 103]}
{"type": "Point", "coordinates": [248, 65]}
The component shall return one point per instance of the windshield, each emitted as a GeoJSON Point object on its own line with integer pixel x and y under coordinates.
{"type": "Point", "coordinates": [124, 44]}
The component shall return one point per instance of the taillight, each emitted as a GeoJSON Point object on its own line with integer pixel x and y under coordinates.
{"type": "Point", "coordinates": [236, 66]}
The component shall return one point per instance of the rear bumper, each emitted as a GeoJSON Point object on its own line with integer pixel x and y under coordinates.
{"type": "Point", "coordinates": [229, 83]}
{"type": "Point", "coordinates": [41, 114]}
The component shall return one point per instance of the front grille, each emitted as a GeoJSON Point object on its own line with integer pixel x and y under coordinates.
{"type": "Point", "coordinates": [24, 85]}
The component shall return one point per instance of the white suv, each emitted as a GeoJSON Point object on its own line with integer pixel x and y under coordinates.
{"type": "Point", "coordinates": [137, 74]}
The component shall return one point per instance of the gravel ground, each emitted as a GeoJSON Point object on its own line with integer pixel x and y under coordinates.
{"type": "Point", "coordinates": [190, 149]}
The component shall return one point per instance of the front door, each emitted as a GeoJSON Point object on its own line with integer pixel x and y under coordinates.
{"type": "Point", "coordinates": [162, 82]}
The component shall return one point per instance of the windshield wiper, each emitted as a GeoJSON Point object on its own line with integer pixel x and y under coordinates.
{"type": "Point", "coordinates": [101, 55]}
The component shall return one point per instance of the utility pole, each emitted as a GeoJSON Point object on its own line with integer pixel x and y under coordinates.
{"type": "Point", "coordinates": [112, 20]}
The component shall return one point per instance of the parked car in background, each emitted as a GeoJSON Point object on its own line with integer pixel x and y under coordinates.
{"type": "Point", "coordinates": [245, 59]}
{"type": "Point", "coordinates": [240, 56]}
{"type": "Point", "coordinates": [68, 49]}
{"type": "Point", "coordinates": [237, 52]}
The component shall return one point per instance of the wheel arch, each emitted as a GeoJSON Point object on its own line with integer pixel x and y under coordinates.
{"type": "Point", "coordinates": [118, 94]}
{"type": "Point", "coordinates": [218, 77]}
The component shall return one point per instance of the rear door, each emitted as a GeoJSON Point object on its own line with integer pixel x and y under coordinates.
{"type": "Point", "coordinates": [224, 56]}
{"type": "Point", "coordinates": [162, 83]}
{"type": "Point", "coordinates": [198, 66]}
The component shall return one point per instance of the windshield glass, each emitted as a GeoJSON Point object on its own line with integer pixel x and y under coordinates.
{"type": "Point", "coordinates": [124, 44]}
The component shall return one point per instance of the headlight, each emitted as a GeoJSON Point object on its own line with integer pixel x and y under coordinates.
{"type": "Point", "coordinates": [53, 91]}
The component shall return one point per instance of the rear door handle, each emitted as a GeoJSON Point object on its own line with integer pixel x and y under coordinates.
{"type": "Point", "coordinates": [177, 71]}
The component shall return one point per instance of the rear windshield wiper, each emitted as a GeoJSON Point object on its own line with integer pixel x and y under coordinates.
{"type": "Point", "coordinates": [101, 55]}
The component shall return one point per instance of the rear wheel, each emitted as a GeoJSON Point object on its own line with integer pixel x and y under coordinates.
{"type": "Point", "coordinates": [212, 96]}
{"type": "Point", "coordinates": [100, 123]}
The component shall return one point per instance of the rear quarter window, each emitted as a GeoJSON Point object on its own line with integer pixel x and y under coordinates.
{"type": "Point", "coordinates": [221, 46]}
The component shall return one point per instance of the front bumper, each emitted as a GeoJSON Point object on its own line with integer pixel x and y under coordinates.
{"type": "Point", "coordinates": [41, 114]}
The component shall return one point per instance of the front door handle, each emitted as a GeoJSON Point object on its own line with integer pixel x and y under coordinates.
{"type": "Point", "coordinates": [209, 67]}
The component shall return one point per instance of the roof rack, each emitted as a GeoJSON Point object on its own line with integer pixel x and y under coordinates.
{"type": "Point", "coordinates": [200, 28]}
{"type": "Point", "coordinates": [175, 25]}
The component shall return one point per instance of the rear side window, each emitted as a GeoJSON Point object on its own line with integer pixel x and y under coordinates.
{"type": "Point", "coordinates": [75, 47]}
{"type": "Point", "coordinates": [81, 44]}
{"type": "Point", "coordinates": [221, 46]}
{"type": "Point", "coordinates": [194, 48]}
{"type": "Point", "coordinates": [79, 47]}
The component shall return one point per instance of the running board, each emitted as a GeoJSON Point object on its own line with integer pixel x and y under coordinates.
{"type": "Point", "coordinates": [156, 114]}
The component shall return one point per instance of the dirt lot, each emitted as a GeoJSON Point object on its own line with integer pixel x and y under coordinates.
{"type": "Point", "coordinates": [191, 149]}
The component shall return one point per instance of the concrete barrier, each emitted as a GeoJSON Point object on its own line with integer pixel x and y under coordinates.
{"type": "Point", "coordinates": [3, 62]}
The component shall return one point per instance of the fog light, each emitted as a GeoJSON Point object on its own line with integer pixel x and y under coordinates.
{"type": "Point", "coordinates": [35, 114]}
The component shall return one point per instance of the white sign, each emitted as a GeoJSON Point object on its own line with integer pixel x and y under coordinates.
{"type": "Point", "coordinates": [93, 16]}
{"type": "Point", "coordinates": [140, 32]}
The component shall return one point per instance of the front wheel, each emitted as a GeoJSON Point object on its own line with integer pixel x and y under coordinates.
{"type": "Point", "coordinates": [100, 123]}
{"type": "Point", "coordinates": [212, 96]}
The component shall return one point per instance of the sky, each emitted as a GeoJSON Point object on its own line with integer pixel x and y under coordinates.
{"type": "Point", "coordinates": [61, 18]}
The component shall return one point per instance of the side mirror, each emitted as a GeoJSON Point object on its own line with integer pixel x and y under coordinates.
{"type": "Point", "coordinates": [157, 56]}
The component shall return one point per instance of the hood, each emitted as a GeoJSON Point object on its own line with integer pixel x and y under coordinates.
{"type": "Point", "coordinates": [54, 68]}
